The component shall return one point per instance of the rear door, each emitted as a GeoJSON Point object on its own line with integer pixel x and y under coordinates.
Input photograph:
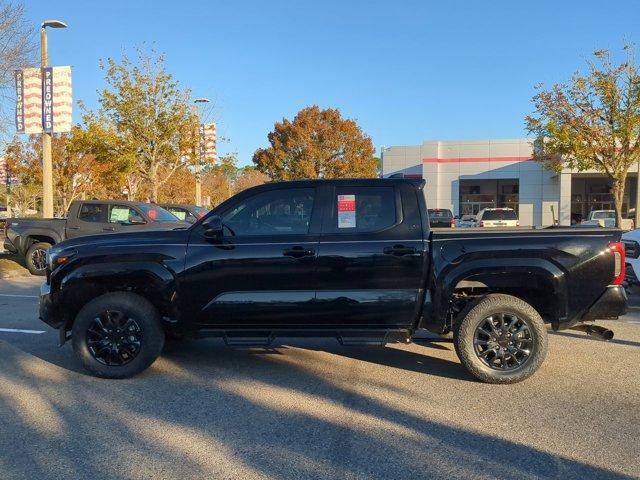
{"type": "Point", "coordinates": [371, 256]}
{"type": "Point", "coordinates": [90, 219]}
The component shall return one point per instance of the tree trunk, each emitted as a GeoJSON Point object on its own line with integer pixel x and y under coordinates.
{"type": "Point", "coordinates": [618, 196]}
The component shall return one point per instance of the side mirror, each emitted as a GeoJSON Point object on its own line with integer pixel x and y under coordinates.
{"type": "Point", "coordinates": [213, 228]}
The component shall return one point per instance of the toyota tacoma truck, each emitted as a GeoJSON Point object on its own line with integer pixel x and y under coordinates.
{"type": "Point", "coordinates": [349, 259]}
{"type": "Point", "coordinates": [32, 237]}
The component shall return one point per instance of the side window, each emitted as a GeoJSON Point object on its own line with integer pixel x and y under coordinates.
{"type": "Point", "coordinates": [182, 214]}
{"type": "Point", "coordinates": [92, 212]}
{"type": "Point", "coordinates": [364, 209]}
{"type": "Point", "coordinates": [284, 212]}
{"type": "Point", "coordinates": [124, 215]}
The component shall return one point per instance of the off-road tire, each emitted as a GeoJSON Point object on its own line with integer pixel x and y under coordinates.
{"type": "Point", "coordinates": [135, 306]}
{"type": "Point", "coordinates": [475, 313]}
{"type": "Point", "coordinates": [33, 269]}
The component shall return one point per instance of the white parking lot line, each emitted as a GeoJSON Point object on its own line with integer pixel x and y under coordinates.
{"type": "Point", "coordinates": [17, 296]}
{"type": "Point", "coordinates": [18, 330]}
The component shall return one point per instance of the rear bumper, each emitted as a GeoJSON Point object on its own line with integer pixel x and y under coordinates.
{"type": "Point", "coordinates": [47, 310]}
{"type": "Point", "coordinates": [611, 304]}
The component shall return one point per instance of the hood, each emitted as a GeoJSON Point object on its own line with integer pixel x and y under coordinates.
{"type": "Point", "coordinates": [138, 237]}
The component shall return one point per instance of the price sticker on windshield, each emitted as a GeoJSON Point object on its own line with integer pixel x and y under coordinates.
{"type": "Point", "coordinates": [346, 211]}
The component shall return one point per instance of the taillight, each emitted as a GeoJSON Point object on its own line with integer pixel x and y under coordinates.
{"type": "Point", "coordinates": [618, 267]}
{"type": "Point", "coordinates": [481, 223]}
{"type": "Point", "coordinates": [452, 222]}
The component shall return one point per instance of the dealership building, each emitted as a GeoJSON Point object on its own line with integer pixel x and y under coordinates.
{"type": "Point", "coordinates": [467, 176]}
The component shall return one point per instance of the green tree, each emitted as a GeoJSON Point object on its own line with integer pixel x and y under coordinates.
{"type": "Point", "coordinates": [592, 122]}
{"type": "Point", "coordinates": [317, 144]}
{"type": "Point", "coordinates": [16, 51]}
{"type": "Point", "coordinates": [145, 121]}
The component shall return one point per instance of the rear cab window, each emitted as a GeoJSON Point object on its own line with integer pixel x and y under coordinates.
{"type": "Point", "coordinates": [93, 212]}
{"type": "Point", "coordinates": [363, 209]}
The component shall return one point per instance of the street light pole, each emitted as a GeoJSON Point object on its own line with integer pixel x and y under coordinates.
{"type": "Point", "coordinates": [198, 154]}
{"type": "Point", "coordinates": [47, 164]}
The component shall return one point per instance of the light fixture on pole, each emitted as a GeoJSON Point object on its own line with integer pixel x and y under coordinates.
{"type": "Point", "coordinates": [198, 153]}
{"type": "Point", "coordinates": [47, 164]}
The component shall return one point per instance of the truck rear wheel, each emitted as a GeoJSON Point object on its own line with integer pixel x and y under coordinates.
{"type": "Point", "coordinates": [117, 335]}
{"type": "Point", "coordinates": [36, 258]}
{"type": "Point", "coordinates": [500, 339]}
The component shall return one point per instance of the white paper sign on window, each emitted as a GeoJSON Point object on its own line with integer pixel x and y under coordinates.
{"type": "Point", "coordinates": [346, 211]}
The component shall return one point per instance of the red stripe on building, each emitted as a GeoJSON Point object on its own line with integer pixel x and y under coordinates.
{"type": "Point", "coordinates": [476, 159]}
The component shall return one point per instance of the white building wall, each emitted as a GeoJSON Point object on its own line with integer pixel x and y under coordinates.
{"type": "Point", "coordinates": [444, 164]}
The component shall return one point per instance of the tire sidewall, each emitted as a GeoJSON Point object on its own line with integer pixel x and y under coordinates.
{"type": "Point", "coordinates": [30, 266]}
{"type": "Point", "coordinates": [475, 314]}
{"type": "Point", "coordinates": [136, 307]}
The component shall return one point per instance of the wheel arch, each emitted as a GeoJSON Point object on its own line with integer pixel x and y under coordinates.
{"type": "Point", "coordinates": [85, 283]}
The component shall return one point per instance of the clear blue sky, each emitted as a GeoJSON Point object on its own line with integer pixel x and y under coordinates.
{"type": "Point", "coordinates": [407, 71]}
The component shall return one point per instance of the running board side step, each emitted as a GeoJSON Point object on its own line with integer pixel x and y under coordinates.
{"type": "Point", "coordinates": [371, 339]}
{"type": "Point", "coordinates": [239, 341]}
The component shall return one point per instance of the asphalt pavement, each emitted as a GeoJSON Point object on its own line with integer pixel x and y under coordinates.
{"type": "Point", "coordinates": [314, 409]}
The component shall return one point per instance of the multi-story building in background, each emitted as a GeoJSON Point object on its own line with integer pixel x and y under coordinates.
{"type": "Point", "coordinates": [467, 176]}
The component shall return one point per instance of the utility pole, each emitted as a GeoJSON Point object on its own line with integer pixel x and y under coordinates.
{"type": "Point", "coordinates": [47, 164]}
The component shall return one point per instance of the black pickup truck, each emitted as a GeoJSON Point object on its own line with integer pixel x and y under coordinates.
{"type": "Point", "coordinates": [31, 237]}
{"type": "Point", "coordinates": [351, 259]}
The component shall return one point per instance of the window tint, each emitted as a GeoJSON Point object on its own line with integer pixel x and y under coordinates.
{"type": "Point", "coordinates": [92, 212]}
{"type": "Point", "coordinates": [364, 209]}
{"type": "Point", "coordinates": [284, 212]}
{"type": "Point", "coordinates": [125, 215]}
{"type": "Point", "coordinates": [499, 215]}
{"type": "Point", "coordinates": [437, 213]}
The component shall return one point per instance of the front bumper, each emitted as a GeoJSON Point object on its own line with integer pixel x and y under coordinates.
{"type": "Point", "coordinates": [47, 310]}
{"type": "Point", "coordinates": [611, 304]}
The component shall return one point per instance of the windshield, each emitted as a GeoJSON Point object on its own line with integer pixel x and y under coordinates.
{"type": "Point", "coordinates": [433, 213]}
{"type": "Point", "coordinates": [157, 214]}
{"type": "Point", "coordinates": [499, 215]}
{"type": "Point", "coordinates": [603, 215]}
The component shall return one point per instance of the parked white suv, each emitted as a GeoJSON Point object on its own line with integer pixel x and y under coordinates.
{"type": "Point", "coordinates": [631, 242]}
{"type": "Point", "coordinates": [607, 219]}
{"type": "Point", "coordinates": [497, 217]}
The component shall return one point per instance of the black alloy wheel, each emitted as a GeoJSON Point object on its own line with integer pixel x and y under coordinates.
{"type": "Point", "coordinates": [503, 341]}
{"type": "Point", "coordinates": [114, 338]}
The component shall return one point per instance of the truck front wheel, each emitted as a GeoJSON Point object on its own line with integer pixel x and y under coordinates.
{"type": "Point", "coordinates": [500, 339]}
{"type": "Point", "coordinates": [117, 335]}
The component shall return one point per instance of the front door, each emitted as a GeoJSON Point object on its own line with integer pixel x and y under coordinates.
{"type": "Point", "coordinates": [371, 257]}
{"type": "Point", "coordinates": [263, 272]}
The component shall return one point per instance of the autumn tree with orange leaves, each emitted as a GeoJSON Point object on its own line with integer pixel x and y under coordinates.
{"type": "Point", "coordinates": [317, 144]}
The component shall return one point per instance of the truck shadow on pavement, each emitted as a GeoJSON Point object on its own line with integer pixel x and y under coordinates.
{"type": "Point", "coordinates": [207, 412]}
{"type": "Point", "coordinates": [583, 336]}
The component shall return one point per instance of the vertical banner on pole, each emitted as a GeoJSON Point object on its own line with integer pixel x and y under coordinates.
{"type": "Point", "coordinates": [43, 100]}
{"type": "Point", "coordinates": [19, 101]}
{"type": "Point", "coordinates": [47, 100]}
{"type": "Point", "coordinates": [208, 142]}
